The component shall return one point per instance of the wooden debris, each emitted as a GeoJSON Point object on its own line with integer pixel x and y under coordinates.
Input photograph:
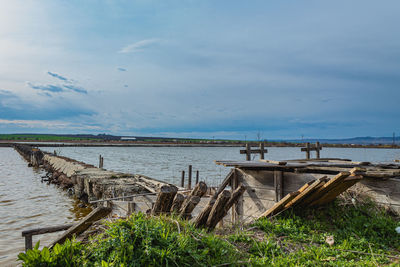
{"type": "Point", "coordinates": [317, 192]}
{"type": "Point", "coordinates": [164, 199]}
{"type": "Point", "coordinates": [84, 224]}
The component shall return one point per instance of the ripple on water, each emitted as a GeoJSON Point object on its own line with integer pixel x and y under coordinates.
{"type": "Point", "coordinates": [28, 203]}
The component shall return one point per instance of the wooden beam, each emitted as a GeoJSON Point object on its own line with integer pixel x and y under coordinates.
{"type": "Point", "coordinates": [278, 182]}
{"type": "Point", "coordinates": [84, 224]}
{"type": "Point", "coordinates": [45, 230]}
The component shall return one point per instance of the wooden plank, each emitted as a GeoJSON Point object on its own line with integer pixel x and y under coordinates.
{"type": "Point", "coordinates": [279, 206]}
{"type": "Point", "coordinates": [336, 191]}
{"type": "Point", "coordinates": [253, 151]}
{"type": "Point", "coordinates": [274, 161]}
{"type": "Point", "coordinates": [84, 224]}
{"type": "Point", "coordinates": [326, 187]}
{"type": "Point", "coordinates": [308, 190]}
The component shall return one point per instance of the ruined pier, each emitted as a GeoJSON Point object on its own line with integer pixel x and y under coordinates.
{"type": "Point", "coordinates": [86, 182]}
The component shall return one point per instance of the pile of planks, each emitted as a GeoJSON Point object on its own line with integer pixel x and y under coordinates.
{"type": "Point", "coordinates": [169, 201]}
{"type": "Point", "coordinates": [318, 192]}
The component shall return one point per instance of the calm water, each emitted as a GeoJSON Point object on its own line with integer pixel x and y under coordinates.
{"type": "Point", "coordinates": [27, 203]}
{"type": "Point", "coordinates": [166, 163]}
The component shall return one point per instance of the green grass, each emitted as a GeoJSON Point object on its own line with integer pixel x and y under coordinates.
{"type": "Point", "coordinates": [364, 236]}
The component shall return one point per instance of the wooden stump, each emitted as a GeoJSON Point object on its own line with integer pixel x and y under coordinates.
{"type": "Point", "coordinates": [164, 199]}
{"type": "Point", "coordinates": [199, 190]}
{"type": "Point", "coordinates": [188, 207]}
{"type": "Point", "coordinates": [177, 203]}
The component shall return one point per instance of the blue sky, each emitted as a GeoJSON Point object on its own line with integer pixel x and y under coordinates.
{"type": "Point", "coordinates": [229, 69]}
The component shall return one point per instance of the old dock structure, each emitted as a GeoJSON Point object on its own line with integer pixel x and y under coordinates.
{"type": "Point", "coordinates": [273, 186]}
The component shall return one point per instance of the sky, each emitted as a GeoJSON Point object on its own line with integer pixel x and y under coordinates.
{"type": "Point", "coordinates": [222, 69]}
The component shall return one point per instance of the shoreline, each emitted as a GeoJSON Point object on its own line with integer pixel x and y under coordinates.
{"type": "Point", "coordinates": [175, 144]}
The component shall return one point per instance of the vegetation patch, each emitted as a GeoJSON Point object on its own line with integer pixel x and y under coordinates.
{"type": "Point", "coordinates": [357, 234]}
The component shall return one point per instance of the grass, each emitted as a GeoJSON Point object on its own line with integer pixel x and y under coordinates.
{"type": "Point", "coordinates": [363, 234]}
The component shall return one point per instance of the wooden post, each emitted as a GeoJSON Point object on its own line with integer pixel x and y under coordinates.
{"type": "Point", "coordinates": [308, 151]}
{"type": "Point", "coordinates": [201, 219]}
{"type": "Point", "coordinates": [248, 152]}
{"type": "Point", "coordinates": [318, 148]}
{"type": "Point", "coordinates": [197, 177]}
{"type": "Point", "coordinates": [183, 179]}
{"type": "Point", "coordinates": [261, 150]}
{"type": "Point", "coordinates": [190, 177]}
{"type": "Point", "coordinates": [218, 209]}
{"type": "Point", "coordinates": [101, 161]}
{"type": "Point", "coordinates": [234, 185]}
{"type": "Point", "coordinates": [221, 207]}
{"type": "Point", "coordinates": [28, 242]}
{"type": "Point", "coordinates": [278, 181]}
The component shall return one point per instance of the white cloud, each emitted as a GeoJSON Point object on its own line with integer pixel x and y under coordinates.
{"type": "Point", "coordinates": [47, 124]}
{"type": "Point", "coordinates": [139, 46]}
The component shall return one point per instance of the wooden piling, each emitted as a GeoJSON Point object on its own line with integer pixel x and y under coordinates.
{"type": "Point", "coordinates": [248, 152]}
{"type": "Point", "coordinates": [318, 148]}
{"type": "Point", "coordinates": [308, 151]}
{"type": "Point", "coordinates": [183, 179]}
{"type": "Point", "coordinates": [197, 177]}
{"type": "Point", "coordinates": [190, 177]}
{"type": "Point", "coordinates": [261, 150]}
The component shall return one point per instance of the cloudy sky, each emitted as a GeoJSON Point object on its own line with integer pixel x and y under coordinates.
{"type": "Point", "coordinates": [229, 69]}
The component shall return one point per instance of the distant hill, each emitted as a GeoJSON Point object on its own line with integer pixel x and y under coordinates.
{"type": "Point", "coordinates": [106, 137]}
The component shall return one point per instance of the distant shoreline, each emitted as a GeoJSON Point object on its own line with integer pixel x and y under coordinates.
{"type": "Point", "coordinates": [68, 143]}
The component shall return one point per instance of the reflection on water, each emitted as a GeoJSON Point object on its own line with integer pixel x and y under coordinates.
{"type": "Point", "coordinates": [26, 203]}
